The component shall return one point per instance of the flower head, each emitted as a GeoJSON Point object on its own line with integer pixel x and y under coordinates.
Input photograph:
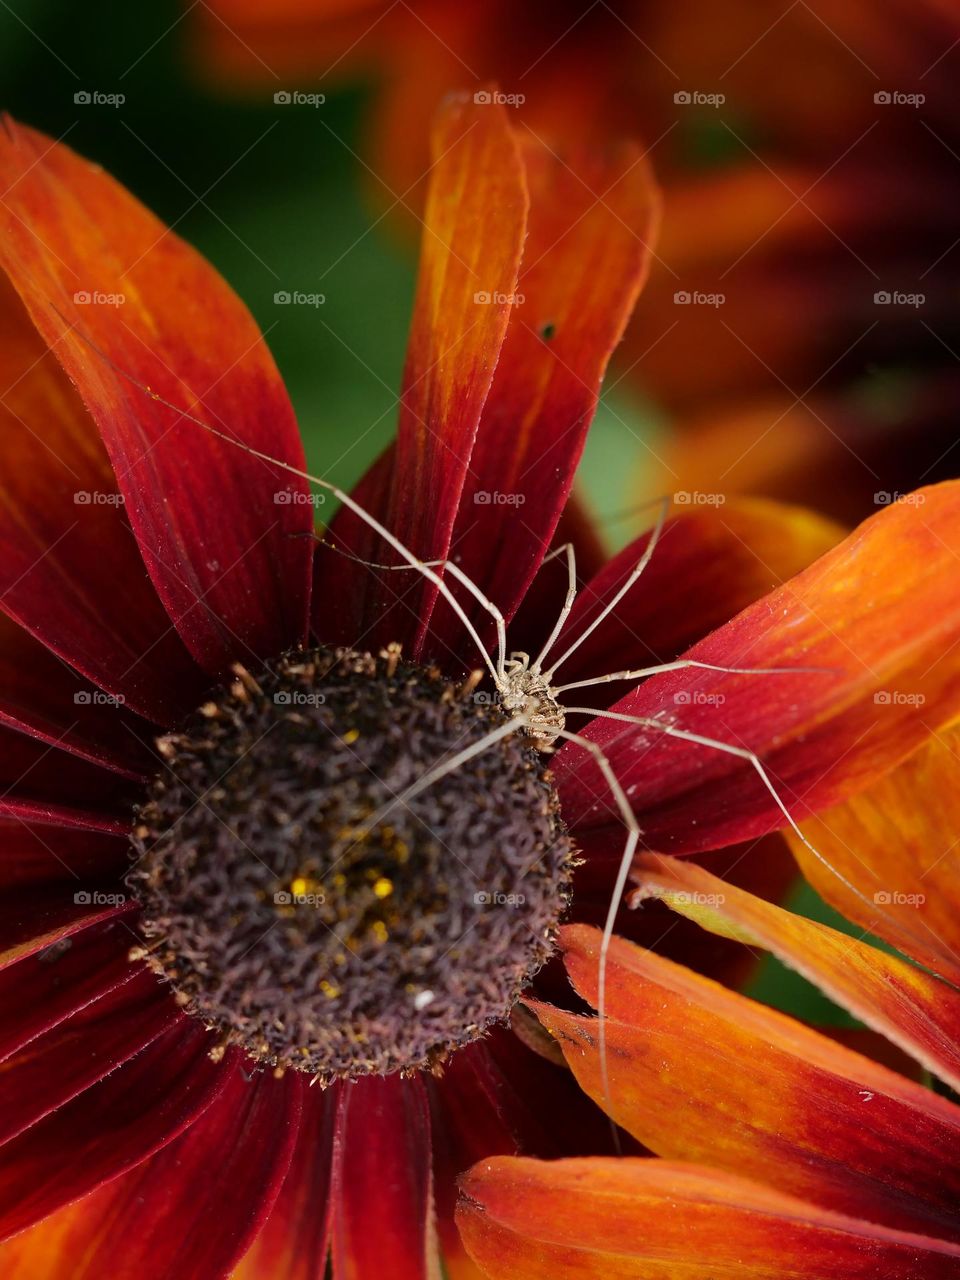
{"type": "Point", "coordinates": [348, 855]}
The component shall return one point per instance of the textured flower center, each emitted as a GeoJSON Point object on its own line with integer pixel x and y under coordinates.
{"type": "Point", "coordinates": [303, 909]}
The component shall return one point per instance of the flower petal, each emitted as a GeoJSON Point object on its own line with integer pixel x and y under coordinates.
{"type": "Point", "coordinates": [763, 1095]}
{"type": "Point", "coordinates": [709, 564]}
{"type": "Point", "coordinates": [896, 842]}
{"type": "Point", "coordinates": [592, 221]}
{"type": "Point", "coordinates": [383, 1158]}
{"type": "Point", "coordinates": [42, 990]}
{"type": "Point", "coordinates": [609, 1219]}
{"type": "Point", "coordinates": [474, 226]}
{"type": "Point", "coordinates": [65, 1061]}
{"type": "Point", "coordinates": [189, 1211]}
{"type": "Point", "coordinates": [216, 542]}
{"type": "Point", "coordinates": [293, 1242]}
{"type": "Point", "coordinates": [915, 1010]}
{"type": "Point", "coordinates": [35, 853]}
{"type": "Point", "coordinates": [877, 639]}
{"type": "Point", "coordinates": [42, 696]}
{"type": "Point", "coordinates": [30, 921]}
{"type": "Point", "coordinates": [110, 1128]}
{"type": "Point", "coordinates": [31, 769]}
{"type": "Point", "coordinates": [70, 570]}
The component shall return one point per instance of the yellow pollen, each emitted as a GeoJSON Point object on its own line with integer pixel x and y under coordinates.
{"type": "Point", "coordinates": [383, 888]}
{"type": "Point", "coordinates": [380, 931]}
{"type": "Point", "coordinates": [299, 886]}
{"type": "Point", "coordinates": [350, 736]}
{"type": "Point", "coordinates": [329, 989]}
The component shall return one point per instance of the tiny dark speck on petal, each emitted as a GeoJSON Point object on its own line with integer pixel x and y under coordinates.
{"type": "Point", "coordinates": [548, 331]}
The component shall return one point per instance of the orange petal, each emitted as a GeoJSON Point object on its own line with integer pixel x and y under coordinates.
{"type": "Point", "coordinates": [630, 1219]}
{"type": "Point", "coordinates": [700, 1073]}
{"type": "Point", "coordinates": [871, 625]}
{"type": "Point", "coordinates": [914, 1009]}
{"type": "Point", "coordinates": [593, 221]}
{"type": "Point", "coordinates": [898, 842]}
{"type": "Point", "coordinates": [114, 292]}
{"type": "Point", "coordinates": [474, 227]}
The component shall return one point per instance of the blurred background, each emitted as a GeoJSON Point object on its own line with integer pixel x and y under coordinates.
{"type": "Point", "coordinates": [799, 336]}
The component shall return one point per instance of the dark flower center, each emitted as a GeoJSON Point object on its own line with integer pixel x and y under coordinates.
{"type": "Point", "coordinates": [303, 910]}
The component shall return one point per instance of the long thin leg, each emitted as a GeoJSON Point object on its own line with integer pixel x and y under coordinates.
{"type": "Point", "coordinates": [727, 748]}
{"type": "Point", "coordinates": [623, 872]}
{"type": "Point", "coordinates": [567, 604]}
{"type": "Point", "coordinates": [679, 665]}
{"type": "Point", "coordinates": [615, 600]}
{"type": "Point", "coordinates": [337, 492]}
{"type": "Point", "coordinates": [454, 569]}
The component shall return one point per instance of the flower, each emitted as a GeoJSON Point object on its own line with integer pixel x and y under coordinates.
{"type": "Point", "coordinates": [171, 663]}
{"type": "Point", "coordinates": [783, 1151]}
{"type": "Point", "coordinates": [798, 324]}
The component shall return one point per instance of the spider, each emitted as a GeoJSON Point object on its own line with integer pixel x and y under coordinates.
{"type": "Point", "coordinates": [527, 688]}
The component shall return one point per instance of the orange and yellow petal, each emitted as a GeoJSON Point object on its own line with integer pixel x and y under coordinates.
{"type": "Point", "coordinates": [633, 1219]}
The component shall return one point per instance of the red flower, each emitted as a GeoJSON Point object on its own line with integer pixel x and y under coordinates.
{"type": "Point", "coordinates": [145, 559]}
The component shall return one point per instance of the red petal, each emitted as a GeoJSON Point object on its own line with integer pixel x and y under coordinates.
{"type": "Point", "coordinates": [189, 1211]}
{"type": "Point", "coordinates": [877, 636]}
{"type": "Point", "coordinates": [40, 991]}
{"type": "Point", "coordinates": [216, 542]}
{"type": "Point", "coordinates": [660, 1220]}
{"type": "Point", "coordinates": [35, 853]}
{"type": "Point", "coordinates": [30, 921]}
{"type": "Point", "coordinates": [70, 570]}
{"type": "Point", "coordinates": [110, 1127]}
{"type": "Point", "coordinates": [474, 227]}
{"type": "Point", "coordinates": [592, 221]}
{"type": "Point", "coordinates": [383, 1159]}
{"type": "Point", "coordinates": [294, 1240]}
{"type": "Point", "coordinates": [42, 696]}
{"type": "Point", "coordinates": [762, 1095]}
{"type": "Point", "coordinates": [31, 769]}
{"type": "Point", "coordinates": [81, 1050]}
